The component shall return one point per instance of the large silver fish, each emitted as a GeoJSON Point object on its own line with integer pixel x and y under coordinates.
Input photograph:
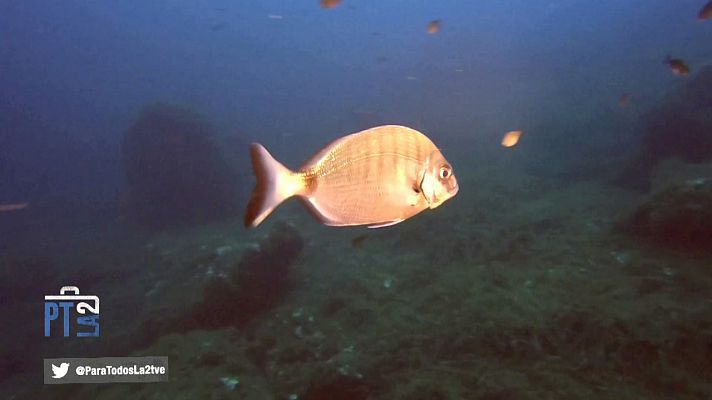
{"type": "Point", "coordinates": [377, 177]}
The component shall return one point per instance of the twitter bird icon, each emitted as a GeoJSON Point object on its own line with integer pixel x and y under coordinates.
{"type": "Point", "coordinates": [60, 371]}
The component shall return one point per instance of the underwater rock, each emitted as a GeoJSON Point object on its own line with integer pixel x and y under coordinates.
{"type": "Point", "coordinates": [258, 351]}
{"type": "Point", "coordinates": [335, 385]}
{"type": "Point", "coordinates": [679, 127]}
{"type": "Point", "coordinates": [259, 283]}
{"type": "Point", "coordinates": [678, 217]}
{"type": "Point", "coordinates": [175, 171]}
{"type": "Point", "coordinates": [262, 275]}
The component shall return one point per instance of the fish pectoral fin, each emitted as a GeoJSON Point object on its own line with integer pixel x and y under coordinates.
{"type": "Point", "coordinates": [385, 224]}
{"type": "Point", "coordinates": [414, 199]}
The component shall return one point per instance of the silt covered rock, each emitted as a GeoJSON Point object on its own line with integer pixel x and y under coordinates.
{"type": "Point", "coordinates": [258, 283]}
{"type": "Point", "coordinates": [681, 126]}
{"type": "Point", "coordinates": [679, 216]}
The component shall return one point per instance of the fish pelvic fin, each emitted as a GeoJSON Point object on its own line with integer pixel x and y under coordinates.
{"type": "Point", "coordinates": [275, 184]}
{"type": "Point", "coordinates": [385, 224]}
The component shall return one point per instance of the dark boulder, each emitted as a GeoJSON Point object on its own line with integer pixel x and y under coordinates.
{"type": "Point", "coordinates": [175, 171]}
{"type": "Point", "coordinates": [681, 126]}
{"type": "Point", "coordinates": [678, 217]}
{"type": "Point", "coordinates": [257, 284]}
{"type": "Point", "coordinates": [262, 276]}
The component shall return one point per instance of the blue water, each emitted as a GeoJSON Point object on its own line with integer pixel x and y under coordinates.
{"type": "Point", "coordinates": [75, 76]}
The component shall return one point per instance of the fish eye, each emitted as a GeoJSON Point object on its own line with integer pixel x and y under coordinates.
{"type": "Point", "coordinates": [445, 171]}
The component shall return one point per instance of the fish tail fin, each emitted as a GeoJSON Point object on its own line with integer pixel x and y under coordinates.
{"type": "Point", "coordinates": [275, 184]}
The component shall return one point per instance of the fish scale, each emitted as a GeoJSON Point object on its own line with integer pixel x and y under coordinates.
{"type": "Point", "coordinates": [387, 151]}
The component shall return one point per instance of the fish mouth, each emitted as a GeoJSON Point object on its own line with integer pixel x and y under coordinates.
{"type": "Point", "coordinates": [452, 189]}
{"type": "Point", "coordinates": [435, 201]}
{"type": "Point", "coordinates": [452, 192]}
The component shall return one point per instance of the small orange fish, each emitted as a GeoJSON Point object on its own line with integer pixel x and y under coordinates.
{"type": "Point", "coordinates": [433, 26]}
{"type": "Point", "coordinates": [511, 138]}
{"type": "Point", "coordinates": [377, 177]}
{"type": "Point", "coordinates": [677, 66]}
{"type": "Point", "coordinates": [705, 12]}
{"type": "Point", "coordinates": [624, 100]}
{"type": "Point", "coordinates": [12, 207]}
{"type": "Point", "coordinates": [329, 3]}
